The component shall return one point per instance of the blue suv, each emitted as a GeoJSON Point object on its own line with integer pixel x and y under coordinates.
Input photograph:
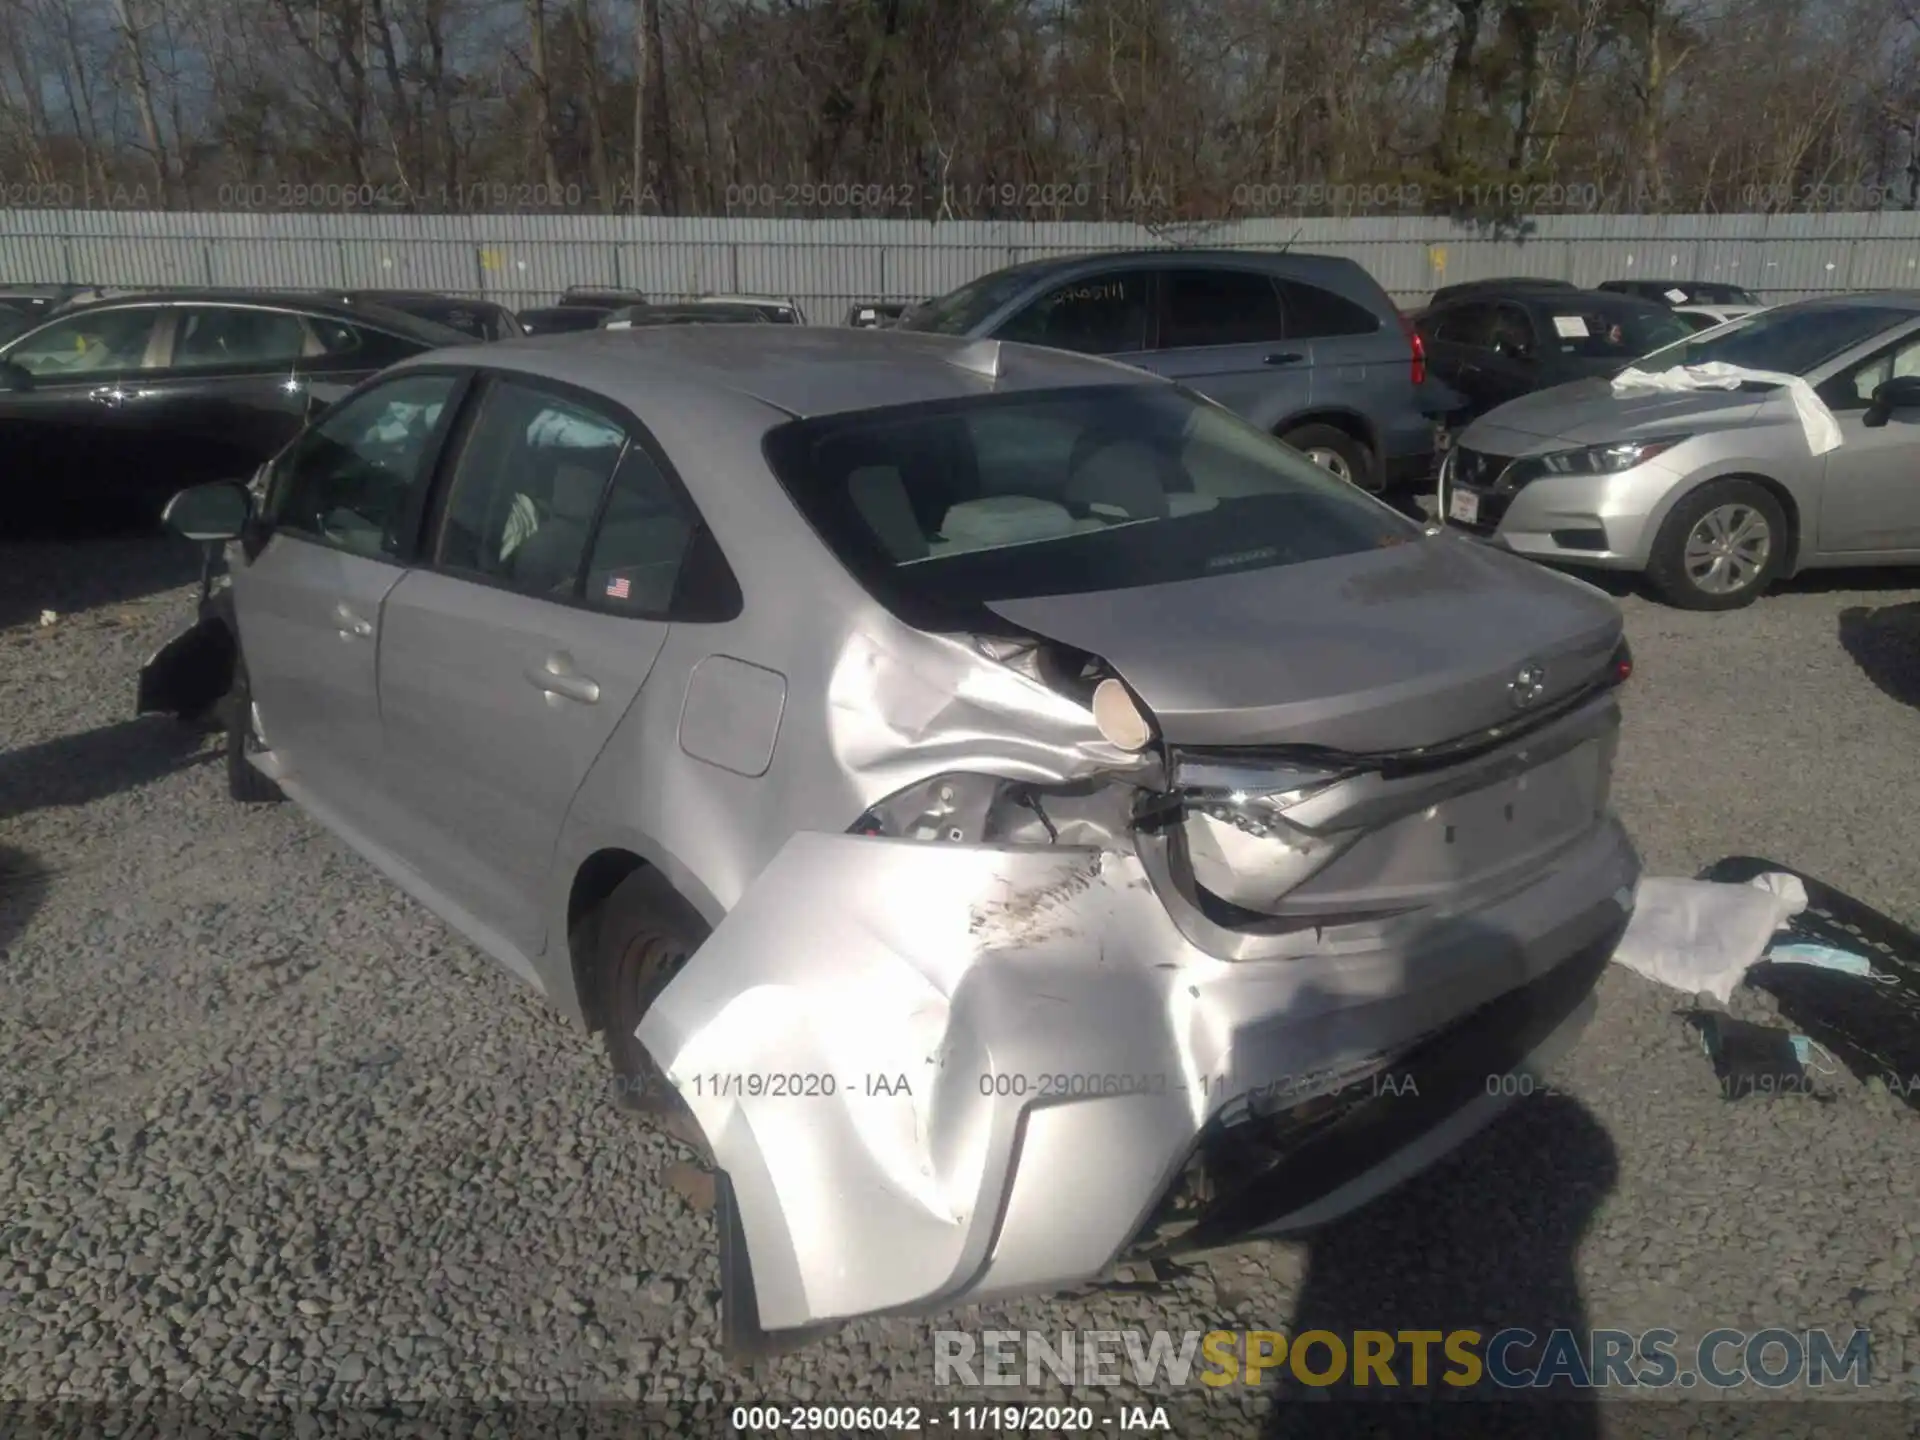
{"type": "Point", "coordinates": [1308, 347]}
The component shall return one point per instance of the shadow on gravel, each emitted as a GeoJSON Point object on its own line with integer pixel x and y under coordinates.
{"type": "Point", "coordinates": [69, 576]}
{"type": "Point", "coordinates": [23, 886]}
{"type": "Point", "coordinates": [76, 769]}
{"type": "Point", "coordinates": [1884, 642]}
{"type": "Point", "coordinates": [1484, 1241]}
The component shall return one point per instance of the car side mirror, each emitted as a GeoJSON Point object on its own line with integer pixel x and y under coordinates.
{"type": "Point", "coordinates": [210, 513]}
{"type": "Point", "coordinates": [15, 377]}
{"type": "Point", "coordinates": [1900, 393]}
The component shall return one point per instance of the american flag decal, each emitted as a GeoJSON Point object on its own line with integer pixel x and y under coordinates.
{"type": "Point", "coordinates": [618, 587]}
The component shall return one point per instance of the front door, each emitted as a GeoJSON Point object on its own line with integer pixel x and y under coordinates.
{"type": "Point", "coordinates": [1870, 493]}
{"type": "Point", "coordinates": [511, 655]}
{"type": "Point", "coordinates": [342, 506]}
{"type": "Point", "coordinates": [70, 425]}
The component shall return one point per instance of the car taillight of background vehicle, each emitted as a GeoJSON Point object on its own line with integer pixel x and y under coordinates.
{"type": "Point", "coordinates": [1622, 664]}
{"type": "Point", "coordinates": [1419, 350]}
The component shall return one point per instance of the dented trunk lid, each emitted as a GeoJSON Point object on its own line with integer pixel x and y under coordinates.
{"type": "Point", "coordinates": [1396, 648]}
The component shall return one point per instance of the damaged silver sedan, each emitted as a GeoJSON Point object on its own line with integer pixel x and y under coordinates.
{"type": "Point", "coordinates": [1008, 814]}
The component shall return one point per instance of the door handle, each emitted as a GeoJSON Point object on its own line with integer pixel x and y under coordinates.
{"type": "Point", "coordinates": [352, 627]}
{"type": "Point", "coordinates": [557, 678]}
{"type": "Point", "coordinates": [115, 396]}
{"type": "Point", "coordinates": [1284, 357]}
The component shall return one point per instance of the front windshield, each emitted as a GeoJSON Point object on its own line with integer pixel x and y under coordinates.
{"type": "Point", "coordinates": [960, 311]}
{"type": "Point", "coordinates": [1064, 492]}
{"type": "Point", "coordinates": [1791, 341]}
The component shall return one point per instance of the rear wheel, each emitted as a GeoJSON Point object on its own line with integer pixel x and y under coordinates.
{"type": "Point", "coordinates": [244, 783]}
{"type": "Point", "coordinates": [1336, 452]}
{"type": "Point", "coordinates": [640, 937]}
{"type": "Point", "coordinates": [1721, 547]}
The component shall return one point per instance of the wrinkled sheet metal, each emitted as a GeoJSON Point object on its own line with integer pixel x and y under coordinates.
{"type": "Point", "coordinates": [859, 1038]}
{"type": "Point", "coordinates": [922, 704]}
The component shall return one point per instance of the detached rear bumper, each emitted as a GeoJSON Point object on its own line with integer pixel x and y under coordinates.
{"type": "Point", "coordinates": [937, 1073]}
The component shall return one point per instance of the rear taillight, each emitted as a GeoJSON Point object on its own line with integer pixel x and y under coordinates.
{"type": "Point", "coordinates": [1620, 668]}
{"type": "Point", "coordinates": [1419, 350]}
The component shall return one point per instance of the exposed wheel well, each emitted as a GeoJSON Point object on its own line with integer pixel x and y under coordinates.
{"type": "Point", "coordinates": [599, 875]}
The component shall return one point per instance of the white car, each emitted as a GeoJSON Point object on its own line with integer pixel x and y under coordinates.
{"type": "Point", "coordinates": [1706, 317]}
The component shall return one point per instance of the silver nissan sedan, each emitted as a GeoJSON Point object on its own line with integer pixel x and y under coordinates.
{"type": "Point", "coordinates": [1004, 812]}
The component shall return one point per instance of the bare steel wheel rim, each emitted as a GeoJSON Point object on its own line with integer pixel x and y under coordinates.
{"type": "Point", "coordinates": [1330, 460]}
{"type": "Point", "coordinates": [1727, 549]}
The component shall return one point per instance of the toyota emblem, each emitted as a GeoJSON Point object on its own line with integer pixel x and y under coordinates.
{"type": "Point", "coordinates": [1528, 686]}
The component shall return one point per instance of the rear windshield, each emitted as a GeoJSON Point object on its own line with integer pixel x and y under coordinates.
{"type": "Point", "coordinates": [1598, 329]}
{"type": "Point", "coordinates": [1791, 342]}
{"type": "Point", "coordinates": [1064, 492]}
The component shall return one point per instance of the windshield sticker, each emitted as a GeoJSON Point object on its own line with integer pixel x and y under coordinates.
{"type": "Point", "coordinates": [1570, 327]}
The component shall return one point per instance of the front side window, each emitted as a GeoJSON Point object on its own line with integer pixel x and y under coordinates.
{"type": "Point", "coordinates": [1789, 341]}
{"type": "Point", "coordinates": [1853, 389]}
{"type": "Point", "coordinates": [224, 337]}
{"type": "Point", "coordinates": [1005, 497]}
{"type": "Point", "coordinates": [87, 344]}
{"type": "Point", "coordinates": [526, 490]}
{"type": "Point", "coordinates": [351, 480]}
{"type": "Point", "coordinates": [1219, 307]}
{"type": "Point", "coordinates": [1102, 314]}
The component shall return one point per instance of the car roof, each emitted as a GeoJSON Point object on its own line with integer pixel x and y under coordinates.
{"type": "Point", "coordinates": [309, 302]}
{"type": "Point", "coordinates": [806, 371]}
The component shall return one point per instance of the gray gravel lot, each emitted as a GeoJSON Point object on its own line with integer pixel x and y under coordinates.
{"type": "Point", "coordinates": [268, 1130]}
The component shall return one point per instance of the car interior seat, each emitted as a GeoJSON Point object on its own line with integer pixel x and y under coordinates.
{"type": "Point", "coordinates": [548, 559]}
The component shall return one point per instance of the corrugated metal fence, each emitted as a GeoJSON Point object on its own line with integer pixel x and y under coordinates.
{"type": "Point", "coordinates": [829, 264]}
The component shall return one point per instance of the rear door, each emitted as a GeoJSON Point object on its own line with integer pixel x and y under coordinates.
{"type": "Point", "coordinates": [1459, 341]}
{"type": "Point", "coordinates": [71, 430]}
{"type": "Point", "coordinates": [1870, 495]}
{"type": "Point", "coordinates": [513, 652]}
{"type": "Point", "coordinates": [343, 509]}
{"type": "Point", "coordinates": [1222, 331]}
{"type": "Point", "coordinates": [1509, 366]}
{"type": "Point", "coordinates": [228, 394]}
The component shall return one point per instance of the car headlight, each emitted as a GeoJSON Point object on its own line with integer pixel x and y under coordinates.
{"type": "Point", "coordinates": [1609, 459]}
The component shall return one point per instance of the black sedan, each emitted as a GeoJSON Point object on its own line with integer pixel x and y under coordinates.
{"type": "Point", "coordinates": [561, 319]}
{"type": "Point", "coordinates": [107, 409]}
{"type": "Point", "coordinates": [1492, 345]}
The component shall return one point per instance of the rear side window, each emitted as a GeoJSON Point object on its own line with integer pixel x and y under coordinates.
{"type": "Point", "coordinates": [1105, 314]}
{"type": "Point", "coordinates": [526, 490]}
{"type": "Point", "coordinates": [351, 479]}
{"type": "Point", "coordinates": [1315, 313]}
{"type": "Point", "coordinates": [644, 541]}
{"type": "Point", "coordinates": [1219, 307]}
{"type": "Point", "coordinates": [220, 337]}
{"type": "Point", "coordinates": [358, 347]}
{"type": "Point", "coordinates": [1470, 325]}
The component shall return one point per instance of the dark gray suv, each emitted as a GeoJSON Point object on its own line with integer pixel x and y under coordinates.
{"type": "Point", "coordinates": [1308, 347]}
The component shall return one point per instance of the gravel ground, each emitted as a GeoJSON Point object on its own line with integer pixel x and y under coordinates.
{"type": "Point", "coordinates": [269, 1131]}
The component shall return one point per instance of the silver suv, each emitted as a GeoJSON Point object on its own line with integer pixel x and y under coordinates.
{"type": "Point", "coordinates": [1004, 811]}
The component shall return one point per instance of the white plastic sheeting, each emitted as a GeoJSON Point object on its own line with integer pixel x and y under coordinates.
{"type": "Point", "coordinates": [1822, 430]}
{"type": "Point", "coordinates": [1703, 936]}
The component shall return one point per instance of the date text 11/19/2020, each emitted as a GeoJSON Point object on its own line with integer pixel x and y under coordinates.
{"type": "Point", "coordinates": [1285, 1090]}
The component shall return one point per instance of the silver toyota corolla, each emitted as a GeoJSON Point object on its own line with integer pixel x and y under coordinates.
{"type": "Point", "coordinates": [1714, 493]}
{"type": "Point", "coordinates": [1006, 811]}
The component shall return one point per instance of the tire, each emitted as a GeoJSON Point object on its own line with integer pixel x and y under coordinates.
{"type": "Point", "coordinates": [244, 783]}
{"type": "Point", "coordinates": [1335, 450]}
{"type": "Point", "coordinates": [1720, 547]}
{"type": "Point", "coordinates": [639, 938]}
